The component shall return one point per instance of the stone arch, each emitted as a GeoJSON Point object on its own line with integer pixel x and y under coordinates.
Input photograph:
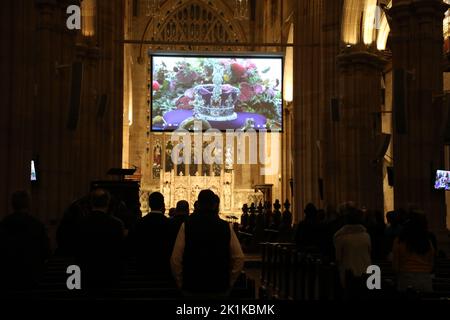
{"type": "Point", "coordinates": [363, 22]}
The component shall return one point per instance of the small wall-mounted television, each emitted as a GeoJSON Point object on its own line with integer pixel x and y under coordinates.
{"type": "Point", "coordinates": [222, 91]}
{"type": "Point", "coordinates": [34, 176]}
{"type": "Point", "coordinates": [442, 181]}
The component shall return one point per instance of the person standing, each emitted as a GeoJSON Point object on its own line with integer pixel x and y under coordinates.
{"type": "Point", "coordinates": [99, 247]}
{"type": "Point", "coordinates": [152, 240]}
{"type": "Point", "coordinates": [207, 257]}
{"type": "Point", "coordinates": [24, 246]}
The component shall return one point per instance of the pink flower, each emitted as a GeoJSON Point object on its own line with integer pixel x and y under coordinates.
{"type": "Point", "coordinates": [251, 65]}
{"type": "Point", "coordinates": [258, 89]}
{"type": "Point", "coordinates": [155, 86]}
{"type": "Point", "coordinates": [247, 92]}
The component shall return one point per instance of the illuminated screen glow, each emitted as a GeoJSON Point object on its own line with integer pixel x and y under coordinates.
{"type": "Point", "coordinates": [33, 171]}
{"type": "Point", "coordinates": [223, 92]}
{"type": "Point", "coordinates": [442, 181]}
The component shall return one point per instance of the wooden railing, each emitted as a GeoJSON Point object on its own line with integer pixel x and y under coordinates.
{"type": "Point", "coordinates": [292, 275]}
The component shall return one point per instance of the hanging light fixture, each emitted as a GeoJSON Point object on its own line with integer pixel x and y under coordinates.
{"type": "Point", "coordinates": [241, 9]}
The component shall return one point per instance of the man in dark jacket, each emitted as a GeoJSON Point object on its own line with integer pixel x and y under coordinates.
{"type": "Point", "coordinates": [24, 246]}
{"type": "Point", "coordinates": [99, 248]}
{"type": "Point", "coordinates": [152, 240]}
{"type": "Point", "coordinates": [207, 257]}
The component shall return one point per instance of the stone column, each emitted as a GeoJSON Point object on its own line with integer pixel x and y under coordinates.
{"type": "Point", "coordinates": [307, 107]}
{"type": "Point", "coordinates": [330, 49]}
{"type": "Point", "coordinates": [358, 166]}
{"type": "Point", "coordinates": [286, 152]}
{"type": "Point", "coordinates": [417, 48]}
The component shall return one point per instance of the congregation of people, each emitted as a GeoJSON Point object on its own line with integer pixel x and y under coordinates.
{"type": "Point", "coordinates": [355, 239]}
{"type": "Point", "coordinates": [200, 253]}
{"type": "Point", "coordinates": [197, 252]}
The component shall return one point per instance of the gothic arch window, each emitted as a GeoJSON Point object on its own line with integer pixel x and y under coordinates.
{"type": "Point", "coordinates": [196, 21]}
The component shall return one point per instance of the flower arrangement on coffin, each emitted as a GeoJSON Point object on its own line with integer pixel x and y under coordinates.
{"type": "Point", "coordinates": [215, 89]}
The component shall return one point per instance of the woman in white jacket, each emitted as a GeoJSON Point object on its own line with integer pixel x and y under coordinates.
{"type": "Point", "coordinates": [353, 246]}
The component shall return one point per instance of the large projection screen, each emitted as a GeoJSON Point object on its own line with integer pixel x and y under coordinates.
{"type": "Point", "coordinates": [224, 92]}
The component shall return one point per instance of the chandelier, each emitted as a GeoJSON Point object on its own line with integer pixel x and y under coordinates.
{"type": "Point", "coordinates": [241, 9]}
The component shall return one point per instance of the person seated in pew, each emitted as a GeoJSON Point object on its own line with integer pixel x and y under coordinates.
{"type": "Point", "coordinates": [307, 236]}
{"type": "Point", "coordinates": [24, 246]}
{"type": "Point", "coordinates": [413, 255]}
{"type": "Point", "coordinates": [207, 257]}
{"type": "Point", "coordinates": [99, 248]}
{"type": "Point", "coordinates": [353, 246]}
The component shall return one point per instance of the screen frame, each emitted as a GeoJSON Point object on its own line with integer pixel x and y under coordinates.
{"type": "Point", "coordinates": [211, 54]}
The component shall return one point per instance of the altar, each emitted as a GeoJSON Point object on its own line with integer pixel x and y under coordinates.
{"type": "Point", "coordinates": [186, 187]}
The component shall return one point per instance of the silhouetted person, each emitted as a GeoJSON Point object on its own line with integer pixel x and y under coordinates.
{"type": "Point", "coordinates": [307, 237]}
{"type": "Point", "coordinates": [152, 240]}
{"type": "Point", "coordinates": [322, 233]}
{"type": "Point", "coordinates": [24, 246]}
{"type": "Point", "coordinates": [353, 246]}
{"type": "Point", "coordinates": [172, 212]}
{"type": "Point", "coordinates": [207, 257]}
{"type": "Point", "coordinates": [195, 207]}
{"type": "Point", "coordinates": [276, 215]}
{"type": "Point", "coordinates": [118, 208]}
{"type": "Point", "coordinates": [69, 227]}
{"type": "Point", "coordinates": [376, 229]}
{"type": "Point", "coordinates": [286, 224]}
{"type": "Point", "coordinates": [180, 216]}
{"type": "Point", "coordinates": [99, 250]}
{"type": "Point", "coordinates": [244, 217]}
{"type": "Point", "coordinates": [413, 255]}
{"type": "Point", "coordinates": [334, 222]}
{"type": "Point", "coordinates": [286, 218]}
{"type": "Point", "coordinates": [260, 225]}
{"type": "Point", "coordinates": [392, 230]}
{"type": "Point", "coordinates": [267, 212]}
{"type": "Point", "coordinates": [252, 219]}
{"type": "Point", "coordinates": [67, 234]}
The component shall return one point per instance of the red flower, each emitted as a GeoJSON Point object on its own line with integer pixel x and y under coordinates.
{"type": "Point", "coordinates": [238, 70]}
{"type": "Point", "coordinates": [183, 103]}
{"type": "Point", "coordinates": [155, 86]}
